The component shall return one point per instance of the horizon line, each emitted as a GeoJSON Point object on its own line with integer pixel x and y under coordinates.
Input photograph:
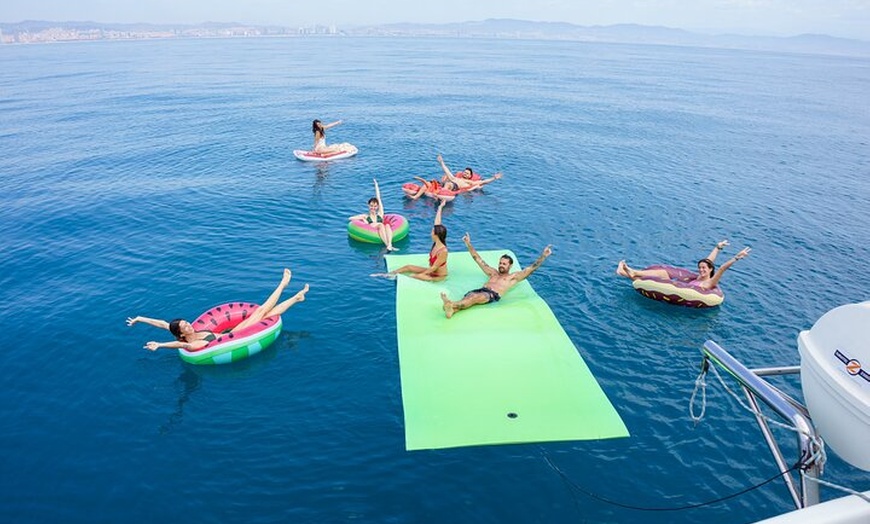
{"type": "Point", "coordinates": [712, 33]}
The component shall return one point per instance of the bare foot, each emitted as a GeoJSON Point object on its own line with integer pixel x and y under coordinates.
{"type": "Point", "coordinates": [300, 297]}
{"type": "Point", "coordinates": [448, 305]}
{"type": "Point", "coordinates": [286, 278]}
{"type": "Point", "coordinates": [622, 269]}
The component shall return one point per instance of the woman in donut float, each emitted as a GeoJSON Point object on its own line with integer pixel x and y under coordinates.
{"type": "Point", "coordinates": [449, 186]}
{"type": "Point", "coordinates": [374, 225]}
{"type": "Point", "coordinates": [681, 286]}
{"type": "Point", "coordinates": [226, 332]}
{"type": "Point", "coordinates": [437, 268]}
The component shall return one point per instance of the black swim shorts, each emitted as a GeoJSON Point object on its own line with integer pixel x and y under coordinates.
{"type": "Point", "coordinates": [493, 296]}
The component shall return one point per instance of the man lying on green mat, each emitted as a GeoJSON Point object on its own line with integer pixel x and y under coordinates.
{"type": "Point", "coordinates": [501, 280]}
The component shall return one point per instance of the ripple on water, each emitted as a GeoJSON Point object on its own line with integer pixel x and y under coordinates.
{"type": "Point", "coordinates": [147, 178]}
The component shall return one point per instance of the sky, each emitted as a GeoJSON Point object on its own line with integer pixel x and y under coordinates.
{"type": "Point", "coordinates": [844, 18]}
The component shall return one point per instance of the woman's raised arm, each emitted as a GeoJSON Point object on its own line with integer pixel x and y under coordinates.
{"type": "Point", "coordinates": [162, 324]}
{"type": "Point", "coordinates": [154, 346]}
{"type": "Point", "coordinates": [714, 281]}
{"type": "Point", "coordinates": [378, 196]}
{"type": "Point", "coordinates": [438, 213]}
{"type": "Point", "coordinates": [716, 250]}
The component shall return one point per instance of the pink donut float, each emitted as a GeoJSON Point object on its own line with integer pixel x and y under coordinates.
{"type": "Point", "coordinates": [677, 289]}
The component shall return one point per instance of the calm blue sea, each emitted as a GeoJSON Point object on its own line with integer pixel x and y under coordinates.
{"type": "Point", "coordinates": [157, 178]}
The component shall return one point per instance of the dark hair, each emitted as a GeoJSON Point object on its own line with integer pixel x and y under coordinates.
{"type": "Point", "coordinates": [316, 127]}
{"type": "Point", "coordinates": [709, 263]}
{"type": "Point", "coordinates": [373, 200]}
{"type": "Point", "coordinates": [508, 258]}
{"type": "Point", "coordinates": [469, 170]}
{"type": "Point", "coordinates": [175, 329]}
{"type": "Point", "coordinates": [440, 232]}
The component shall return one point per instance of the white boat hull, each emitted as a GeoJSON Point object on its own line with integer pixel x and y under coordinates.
{"type": "Point", "coordinates": [844, 510]}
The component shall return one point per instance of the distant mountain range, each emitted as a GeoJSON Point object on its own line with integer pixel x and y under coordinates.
{"type": "Point", "coordinates": [491, 28]}
{"type": "Point", "coordinates": [625, 33]}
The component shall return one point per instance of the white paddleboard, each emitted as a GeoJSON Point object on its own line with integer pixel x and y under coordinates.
{"type": "Point", "coordinates": [313, 156]}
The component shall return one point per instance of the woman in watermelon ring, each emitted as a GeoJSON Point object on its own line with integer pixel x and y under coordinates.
{"type": "Point", "coordinates": [188, 338]}
{"type": "Point", "coordinates": [375, 218]}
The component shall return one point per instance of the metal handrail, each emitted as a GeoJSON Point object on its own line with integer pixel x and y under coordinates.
{"type": "Point", "coordinates": [807, 438]}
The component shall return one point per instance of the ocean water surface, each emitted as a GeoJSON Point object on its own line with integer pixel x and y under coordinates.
{"type": "Point", "coordinates": [157, 179]}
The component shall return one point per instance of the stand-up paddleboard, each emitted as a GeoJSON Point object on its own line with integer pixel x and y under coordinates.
{"type": "Point", "coordinates": [313, 156]}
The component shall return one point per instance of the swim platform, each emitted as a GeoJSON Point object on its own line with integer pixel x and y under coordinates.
{"type": "Point", "coordinates": [500, 373]}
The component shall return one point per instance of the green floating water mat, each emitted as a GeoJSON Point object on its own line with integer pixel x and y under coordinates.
{"type": "Point", "coordinates": [498, 373]}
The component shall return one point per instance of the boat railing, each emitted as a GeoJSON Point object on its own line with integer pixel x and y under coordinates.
{"type": "Point", "coordinates": [794, 414]}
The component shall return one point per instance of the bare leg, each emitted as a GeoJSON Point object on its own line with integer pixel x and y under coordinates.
{"type": "Point", "coordinates": [382, 234]}
{"type": "Point", "coordinates": [409, 268]}
{"type": "Point", "coordinates": [421, 192]}
{"type": "Point", "coordinates": [386, 234]}
{"type": "Point", "coordinates": [275, 311]}
{"type": "Point", "coordinates": [389, 230]}
{"type": "Point", "coordinates": [468, 301]}
{"type": "Point", "coordinates": [279, 309]}
{"type": "Point", "coordinates": [270, 302]}
{"type": "Point", "coordinates": [622, 269]}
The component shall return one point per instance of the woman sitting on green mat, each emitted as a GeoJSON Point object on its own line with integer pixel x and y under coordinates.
{"type": "Point", "coordinates": [437, 269]}
{"type": "Point", "coordinates": [501, 280]}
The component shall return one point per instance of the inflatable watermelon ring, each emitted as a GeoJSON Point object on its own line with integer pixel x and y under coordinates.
{"type": "Point", "coordinates": [362, 231]}
{"type": "Point", "coordinates": [231, 347]}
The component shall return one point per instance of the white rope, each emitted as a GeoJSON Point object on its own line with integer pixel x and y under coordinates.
{"type": "Point", "coordinates": [819, 456]}
{"type": "Point", "coordinates": [701, 384]}
{"type": "Point", "coordinates": [813, 438]}
{"type": "Point", "coordinates": [836, 486]}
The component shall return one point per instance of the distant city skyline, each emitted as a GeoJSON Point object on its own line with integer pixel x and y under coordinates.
{"type": "Point", "coordinates": [842, 18]}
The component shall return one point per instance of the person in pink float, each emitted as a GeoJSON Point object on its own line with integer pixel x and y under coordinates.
{"type": "Point", "coordinates": [708, 277]}
{"type": "Point", "coordinates": [375, 218]}
{"type": "Point", "coordinates": [463, 182]}
{"type": "Point", "coordinates": [453, 183]}
{"type": "Point", "coordinates": [188, 338]}
{"type": "Point", "coordinates": [501, 280]}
